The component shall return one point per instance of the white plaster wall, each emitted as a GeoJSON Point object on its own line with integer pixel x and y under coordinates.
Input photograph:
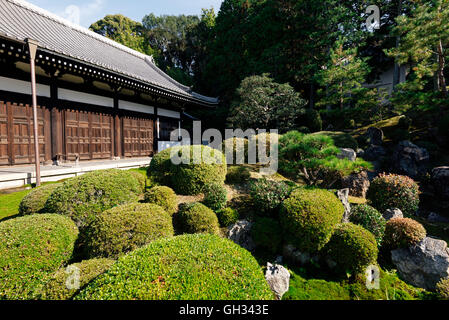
{"type": "Point", "coordinates": [24, 87]}
{"type": "Point", "coordinates": [70, 95]}
{"type": "Point", "coordinates": [131, 106]}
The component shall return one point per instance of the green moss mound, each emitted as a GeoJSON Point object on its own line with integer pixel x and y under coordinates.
{"type": "Point", "coordinates": [309, 217]}
{"type": "Point", "coordinates": [215, 196]}
{"type": "Point", "coordinates": [403, 233]}
{"type": "Point", "coordinates": [31, 248]}
{"type": "Point", "coordinates": [197, 218]}
{"type": "Point", "coordinates": [442, 289]}
{"type": "Point", "coordinates": [57, 289]}
{"type": "Point", "coordinates": [126, 228]}
{"type": "Point", "coordinates": [227, 216]}
{"type": "Point", "coordinates": [267, 234]}
{"type": "Point", "coordinates": [237, 175]}
{"type": "Point", "coordinates": [164, 197]}
{"type": "Point", "coordinates": [34, 202]}
{"type": "Point", "coordinates": [160, 167]}
{"type": "Point", "coordinates": [141, 179]}
{"type": "Point", "coordinates": [83, 197]}
{"type": "Point", "coordinates": [389, 191]}
{"type": "Point", "coordinates": [369, 218]}
{"type": "Point", "coordinates": [267, 196]}
{"type": "Point", "coordinates": [189, 267]}
{"type": "Point", "coordinates": [352, 247]}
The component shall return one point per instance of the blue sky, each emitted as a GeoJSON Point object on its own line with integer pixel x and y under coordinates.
{"type": "Point", "coordinates": [87, 11]}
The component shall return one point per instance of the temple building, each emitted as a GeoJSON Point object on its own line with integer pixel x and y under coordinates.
{"type": "Point", "coordinates": [97, 99]}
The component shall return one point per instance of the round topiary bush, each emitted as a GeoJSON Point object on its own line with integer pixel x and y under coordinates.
{"type": "Point", "coordinates": [56, 288]}
{"type": "Point", "coordinates": [308, 218]}
{"type": "Point", "coordinates": [215, 196]}
{"type": "Point", "coordinates": [200, 165]}
{"type": "Point", "coordinates": [442, 289]}
{"type": "Point", "coordinates": [267, 196]}
{"type": "Point", "coordinates": [394, 191]}
{"type": "Point", "coordinates": [160, 169]}
{"type": "Point", "coordinates": [34, 202]}
{"type": "Point", "coordinates": [369, 218]}
{"type": "Point", "coordinates": [164, 197]}
{"type": "Point", "coordinates": [352, 247]}
{"type": "Point", "coordinates": [141, 179]}
{"type": "Point", "coordinates": [403, 233]}
{"type": "Point", "coordinates": [267, 234]}
{"type": "Point", "coordinates": [237, 148]}
{"type": "Point", "coordinates": [32, 248]}
{"type": "Point", "coordinates": [197, 218]}
{"type": "Point", "coordinates": [237, 174]}
{"type": "Point", "coordinates": [188, 267]}
{"type": "Point", "coordinates": [83, 197]}
{"type": "Point", "coordinates": [227, 216]}
{"type": "Point", "coordinates": [125, 228]}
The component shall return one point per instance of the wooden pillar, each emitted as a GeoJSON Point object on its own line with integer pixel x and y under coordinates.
{"type": "Point", "coordinates": [118, 153]}
{"type": "Point", "coordinates": [156, 131]}
{"type": "Point", "coordinates": [10, 124]}
{"type": "Point", "coordinates": [57, 133]}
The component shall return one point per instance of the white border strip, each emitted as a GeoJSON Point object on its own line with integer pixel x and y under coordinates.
{"type": "Point", "coordinates": [131, 106]}
{"type": "Point", "coordinates": [70, 95]}
{"type": "Point", "coordinates": [168, 113]}
{"type": "Point", "coordinates": [24, 87]}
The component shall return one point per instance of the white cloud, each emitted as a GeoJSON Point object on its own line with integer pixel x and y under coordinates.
{"type": "Point", "coordinates": [78, 14]}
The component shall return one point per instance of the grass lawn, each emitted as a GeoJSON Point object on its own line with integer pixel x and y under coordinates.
{"type": "Point", "coordinates": [9, 203]}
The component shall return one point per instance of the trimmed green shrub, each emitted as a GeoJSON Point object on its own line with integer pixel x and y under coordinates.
{"type": "Point", "coordinates": [442, 289]}
{"type": "Point", "coordinates": [227, 216]}
{"type": "Point", "coordinates": [352, 247]}
{"type": "Point", "coordinates": [83, 197]}
{"type": "Point", "coordinates": [215, 196]}
{"type": "Point", "coordinates": [56, 288]}
{"type": "Point", "coordinates": [164, 197]}
{"type": "Point", "coordinates": [34, 202]}
{"type": "Point", "coordinates": [309, 217]}
{"type": "Point", "coordinates": [126, 228]}
{"type": "Point", "coordinates": [31, 249]}
{"type": "Point", "coordinates": [200, 165]}
{"type": "Point", "coordinates": [141, 179]}
{"type": "Point", "coordinates": [267, 196]}
{"type": "Point", "coordinates": [238, 147]}
{"type": "Point", "coordinates": [188, 267]}
{"type": "Point", "coordinates": [197, 218]}
{"type": "Point", "coordinates": [394, 191]}
{"type": "Point", "coordinates": [237, 174]}
{"type": "Point", "coordinates": [403, 233]}
{"type": "Point", "coordinates": [369, 218]}
{"type": "Point", "coordinates": [160, 169]}
{"type": "Point", "coordinates": [267, 234]}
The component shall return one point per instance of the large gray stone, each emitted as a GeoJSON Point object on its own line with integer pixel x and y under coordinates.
{"type": "Point", "coordinates": [440, 181]}
{"type": "Point", "coordinates": [357, 183]}
{"type": "Point", "coordinates": [343, 195]}
{"type": "Point", "coordinates": [278, 278]}
{"type": "Point", "coordinates": [240, 233]}
{"type": "Point", "coordinates": [347, 153]}
{"type": "Point", "coordinates": [424, 264]}
{"type": "Point", "coordinates": [374, 153]}
{"type": "Point", "coordinates": [436, 218]}
{"type": "Point", "coordinates": [409, 159]}
{"type": "Point", "coordinates": [393, 214]}
{"type": "Point", "coordinates": [375, 136]}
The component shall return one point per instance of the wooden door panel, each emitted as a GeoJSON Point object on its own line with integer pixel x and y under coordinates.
{"type": "Point", "coordinates": [4, 141]}
{"type": "Point", "coordinates": [137, 137]}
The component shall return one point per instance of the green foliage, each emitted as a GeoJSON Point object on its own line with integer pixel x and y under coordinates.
{"type": "Point", "coordinates": [264, 104]}
{"type": "Point", "coordinates": [403, 233]}
{"type": "Point", "coordinates": [197, 218]}
{"type": "Point", "coordinates": [239, 149]}
{"type": "Point", "coordinates": [56, 287]}
{"type": "Point", "coordinates": [141, 179]}
{"type": "Point", "coordinates": [215, 196]}
{"type": "Point", "coordinates": [389, 191]}
{"type": "Point", "coordinates": [313, 120]}
{"type": "Point", "coordinates": [34, 202]}
{"type": "Point", "coordinates": [237, 174]}
{"type": "Point", "coordinates": [341, 139]}
{"type": "Point", "coordinates": [313, 157]}
{"type": "Point", "coordinates": [125, 228]}
{"type": "Point", "coordinates": [32, 248]}
{"type": "Point", "coordinates": [188, 267]}
{"type": "Point", "coordinates": [83, 197]}
{"type": "Point", "coordinates": [227, 216]}
{"type": "Point", "coordinates": [267, 196]}
{"type": "Point", "coordinates": [309, 217]}
{"type": "Point", "coordinates": [164, 197]}
{"type": "Point", "coordinates": [352, 247]}
{"type": "Point", "coordinates": [267, 234]}
{"type": "Point", "coordinates": [443, 289]}
{"type": "Point", "coordinates": [369, 218]}
{"type": "Point", "coordinates": [160, 169]}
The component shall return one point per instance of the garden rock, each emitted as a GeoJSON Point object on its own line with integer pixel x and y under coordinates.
{"type": "Point", "coordinates": [343, 195]}
{"type": "Point", "coordinates": [278, 278]}
{"type": "Point", "coordinates": [347, 153]}
{"type": "Point", "coordinates": [440, 181]}
{"type": "Point", "coordinates": [375, 136]}
{"type": "Point", "coordinates": [296, 256]}
{"type": "Point", "coordinates": [424, 264]}
{"type": "Point", "coordinates": [393, 214]}
{"type": "Point", "coordinates": [374, 153]}
{"type": "Point", "coordinates": [436, 218]}
{"type": "Point", "coordinates": [240, 233]}
{"type": "Point", "coordinates": [357, 183]}
{"type": "Point", "coordinates": [409, 159]}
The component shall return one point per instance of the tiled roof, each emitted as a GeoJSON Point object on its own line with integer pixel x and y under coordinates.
{"type": "Point", "coordinates": [21, 20]}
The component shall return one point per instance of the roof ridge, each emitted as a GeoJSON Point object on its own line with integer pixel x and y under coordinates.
{"type": "Point", "coordinates": [42, 12]}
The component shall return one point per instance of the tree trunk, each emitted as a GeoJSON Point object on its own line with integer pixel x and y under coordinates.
{"type": "Point", "coordinates": [441, 65]}
{"type": "Point", "coordinates": [397, 67]}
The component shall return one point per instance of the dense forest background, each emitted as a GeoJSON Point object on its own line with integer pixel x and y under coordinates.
{"type": "Point", "coordinates": [321, 49]}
